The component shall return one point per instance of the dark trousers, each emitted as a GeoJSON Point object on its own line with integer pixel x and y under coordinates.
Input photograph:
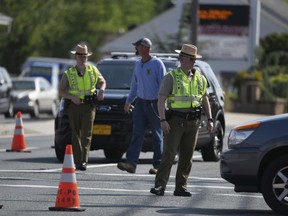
{"type": "Point", "coordinates": [182, 140]}
{"type": "Point", "coordinates": [81, 118]}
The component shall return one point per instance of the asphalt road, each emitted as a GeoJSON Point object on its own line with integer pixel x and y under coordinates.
{"type": "Point", "coordinates": [29, 181]}
{"type": "Point", "coordinates": [45, 125]}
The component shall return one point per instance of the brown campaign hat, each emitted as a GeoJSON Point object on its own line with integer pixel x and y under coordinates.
{"type": "Point", "coordinates": [189, 50]}
{"type": "Point", "coordinates": [81, 50]}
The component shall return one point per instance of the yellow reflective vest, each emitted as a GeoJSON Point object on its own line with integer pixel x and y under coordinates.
{"type": "Point", "coordinates": [186, 93]}
{"type": "Point", "coordinates": [82, 85]}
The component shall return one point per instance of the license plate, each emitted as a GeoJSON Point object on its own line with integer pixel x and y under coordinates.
{"type": "Point", "coordinates": [102, 129]}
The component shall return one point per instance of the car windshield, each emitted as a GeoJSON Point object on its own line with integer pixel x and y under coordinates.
{"type": "Point", "coordinates": [23, 85]}
{"type": "Point", "coordinates": [117, 76]}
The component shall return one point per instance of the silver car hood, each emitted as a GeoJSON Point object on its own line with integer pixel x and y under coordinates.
{"type": "Point", "coordinates": [21, 93]}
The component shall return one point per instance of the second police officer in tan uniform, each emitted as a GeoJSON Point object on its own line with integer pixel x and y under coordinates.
{"type": "Point", "coordinates": [78, 87]}
{"type": "Point", "coordinates": [184, 91]}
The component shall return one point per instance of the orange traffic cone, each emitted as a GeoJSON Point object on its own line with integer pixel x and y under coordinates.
{"type": "Point", "coordinates": [67, 196]}
{"type": "Point", "coordinates": [18, 143]}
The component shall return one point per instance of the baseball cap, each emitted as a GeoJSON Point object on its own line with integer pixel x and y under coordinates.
{"type": "Point", "coordinates": [143, 41]}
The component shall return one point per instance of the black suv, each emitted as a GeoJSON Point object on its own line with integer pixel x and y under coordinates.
{"type": "Point", "coordinates": [113, 127]}
{"type": "Point", "coordinates": [6, 106]}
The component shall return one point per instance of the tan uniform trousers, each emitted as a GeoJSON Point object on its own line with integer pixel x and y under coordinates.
{"type": "Point", "coordinates": [81, 118]}
{"type": "Point", "coordinates": [182, 140]}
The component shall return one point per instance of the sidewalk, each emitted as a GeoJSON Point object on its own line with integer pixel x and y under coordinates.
{"type": "Point", "coordinates": [45, 127]}
{"type": "Point", "coordinates": [233, 119]}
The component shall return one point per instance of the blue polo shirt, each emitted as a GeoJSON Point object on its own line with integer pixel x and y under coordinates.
{"type": "Point", "coordinates": [146, 79]}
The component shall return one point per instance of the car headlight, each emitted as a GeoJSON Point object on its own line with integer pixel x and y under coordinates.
{"type": "Point", "coordinates": [240, 133]}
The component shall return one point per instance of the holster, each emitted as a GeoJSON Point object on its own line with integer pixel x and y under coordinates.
{"type": "Point", "coordinates": [66, 103]}
{"type": "Point", "coordinates": [168, 114]}
{"type": "Point", "coordinates": [90, 99]}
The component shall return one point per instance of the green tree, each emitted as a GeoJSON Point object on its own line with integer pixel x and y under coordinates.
{"type": "Point", "coordinates": [52, 27]}
{"type": "Point", "coordinates": [272, 70]}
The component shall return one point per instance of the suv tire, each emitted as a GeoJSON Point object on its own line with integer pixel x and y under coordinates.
{"type": "Point", "coordinates": [213, 150]}
{"type": "Point", "coordinates": [35, 113]}
{"type": "Point", "coordinates": [60, 145]}
{"type": "Point", "coordinates": [60, 151]}
{"type": "Point", "coordinates": [10, 112]}
{"type": "Point", "coordinates": [274, 184]}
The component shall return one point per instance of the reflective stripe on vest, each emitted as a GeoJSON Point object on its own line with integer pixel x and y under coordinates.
{"type": "Point", "coordinates": [186, 93]}
{"type": "Point", "coordinates": [81, 86]}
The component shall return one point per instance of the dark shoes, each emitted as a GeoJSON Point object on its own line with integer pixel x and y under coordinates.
{"type": "Point", "coordinates": [125, 166]}
{"type": "Point", "coordinates": [153, 171]}
{"type": "Point", "coordinates": [182, 192]}
{"type": "Point", "coordinates": [82, 166]}
{"type": "Point", "coordinates": [159, 191]}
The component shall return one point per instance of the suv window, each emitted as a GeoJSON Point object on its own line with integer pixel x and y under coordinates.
{"type": "Point", "coordinates": [117, 76]}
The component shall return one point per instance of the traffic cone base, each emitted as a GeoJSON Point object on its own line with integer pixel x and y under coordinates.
{"type": "Point", "coordinates": [65, 209]}
{"type": "Point", "coordinates": [12, 150]}
{"type": "Point", "coordinates": [67, 196]}
{"type": "Point", "coordinates": [18, 143]}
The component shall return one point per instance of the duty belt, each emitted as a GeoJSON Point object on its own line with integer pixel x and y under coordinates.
{"type": "Point", "coordinates": [192, 115]}
{"type": "Point", "coordinates": [89, 99]}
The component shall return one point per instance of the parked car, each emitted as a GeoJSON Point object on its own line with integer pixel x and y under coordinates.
{"type": "Point", "coordinates": [113, 127]}
{"type": "Point", "coordinates": [34, 95]}
{"type": "Point", "coordinates": [46, 67]}
{"type": "Point", "coordinates": [49, 68]}
{"type": "Point", "coordinates": [257, 160]}
{"type": "Point", "coordinates": [6, 106]}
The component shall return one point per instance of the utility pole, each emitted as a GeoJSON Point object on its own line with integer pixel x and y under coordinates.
{"type": "Point", "coordinates": [255, 8]}
{"type": "Point", "coordinates": [194, 21]}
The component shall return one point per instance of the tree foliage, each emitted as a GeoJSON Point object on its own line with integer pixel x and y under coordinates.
{"type": "Point", "coordinates": [272, 70]}
{"type": "Point", "coordinates": [53, 27]}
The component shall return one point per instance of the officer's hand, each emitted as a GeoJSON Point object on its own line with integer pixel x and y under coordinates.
{"type": "Point", "coordinates": [165, 127]}
{"type": "Point", "coordinates": [100, 96]}
{"type": "Point", "coordinates": [76, 100]}
{"type": "Point", "coordinates": [210, 126]}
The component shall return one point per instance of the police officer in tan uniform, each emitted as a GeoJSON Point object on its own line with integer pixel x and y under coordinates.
{"type": "Point", "coordinates": [184, 92]}
{"type": "Point", "coordinates": [78, 87]}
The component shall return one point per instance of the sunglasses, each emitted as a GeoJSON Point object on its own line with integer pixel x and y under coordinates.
{"type": "Point", "coordinates": [190, 58]}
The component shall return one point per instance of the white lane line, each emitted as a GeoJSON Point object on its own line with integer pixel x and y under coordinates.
{"type": "Point", "coordinates": [107, 189]}
{"type": "Point", "coordinates": [241, 195]}
{"type": "Point", "coordinates": [55, 170]}
{"type": "Point", "coordinates": [79, 188]}
{"type": "Point", "coordinates": [104, 174]}
{"type": "Point", "coordinates": [137, 191]}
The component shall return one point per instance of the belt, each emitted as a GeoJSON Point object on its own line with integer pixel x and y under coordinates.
{"type": "Point", "coordinates": [192, 115]}
{"type": "Point", "coordinates": [89, 99]}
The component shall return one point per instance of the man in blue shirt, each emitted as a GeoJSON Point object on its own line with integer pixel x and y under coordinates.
{"type": "Point", "coordinates": [145, 84]}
